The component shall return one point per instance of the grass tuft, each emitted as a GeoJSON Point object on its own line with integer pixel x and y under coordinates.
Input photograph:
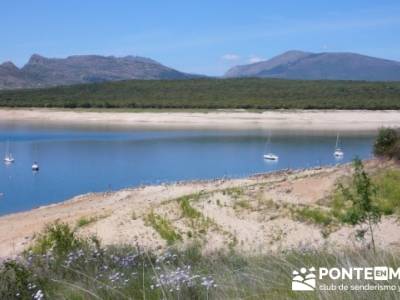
{"type": "Point", "coordinates": [245, 204]}
{"type": "Point", "coordinates": [315, 215]}
{"type": "Point", "coordinates": [188, 210]}
{"type": "Point", "coordinates": [234, 192]}
{"type": "Point", "coordinates": [163, 227]}
{"type": "Point", "coordinates": [85, 221]}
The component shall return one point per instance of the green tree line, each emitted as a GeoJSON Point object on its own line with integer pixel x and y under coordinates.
{"type": "Point", "coordinates": [247, 93]}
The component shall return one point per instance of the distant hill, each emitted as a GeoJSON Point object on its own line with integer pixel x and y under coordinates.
{"type": "Point", "coordinates": [46, 72]}
{"type": "Point", "coordinates": [321, 66]}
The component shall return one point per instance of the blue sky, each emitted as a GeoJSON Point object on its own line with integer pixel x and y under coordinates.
{"type": "Point", "coordinates": [204, 37]}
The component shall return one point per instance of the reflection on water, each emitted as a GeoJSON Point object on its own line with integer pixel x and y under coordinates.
{"type": "Point", "coordinates": [80, 160]}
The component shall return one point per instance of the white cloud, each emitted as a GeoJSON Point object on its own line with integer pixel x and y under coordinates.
{"type": "Point", "coordinates": [255, 59]}
{"type": "Point", "coordinates": [230, 56]}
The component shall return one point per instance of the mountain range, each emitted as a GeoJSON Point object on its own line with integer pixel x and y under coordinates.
{"type": "Point", "coordinates": [321, 66]}
{"type": "Point", "coordinates": [45, 72]}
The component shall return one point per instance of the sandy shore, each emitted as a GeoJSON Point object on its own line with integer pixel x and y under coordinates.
{"type": "Point", "coordinates": [350, 120]}
{"type": "Point", "coordinates": [251, 214]}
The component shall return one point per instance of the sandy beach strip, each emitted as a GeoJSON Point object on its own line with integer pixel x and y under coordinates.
{"type": "Point", "coordinates": [343, 120]}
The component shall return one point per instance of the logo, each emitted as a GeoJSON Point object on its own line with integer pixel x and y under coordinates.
{"type": "Point", "coordinates": [305, 280]}
{"type": "Point", "coordinates": [381, 273]}
{"type": "Point", "coordinates": [379, 278]}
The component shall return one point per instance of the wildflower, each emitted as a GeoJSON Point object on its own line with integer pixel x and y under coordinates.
{"type": "Point", "coordinates": [38, 295]}
{"type": "Point", "coordinates": [208, 282]}
{"type": "Point", "coordinates": [174, 280]}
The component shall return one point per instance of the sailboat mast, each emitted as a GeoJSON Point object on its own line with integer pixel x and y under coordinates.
{"type": "Point", "coordinates": [268, 144]}
{"type": "Point", "coordinates": [7, 148]}
{"type": "Point", "coordinates": [337, 141]}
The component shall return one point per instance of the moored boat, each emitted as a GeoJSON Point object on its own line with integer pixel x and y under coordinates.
{"type": "Point", "coordinates": [338, 153]}
{"type": "Point", "coordinates": [271, 156]}
{"type": "Point", "coordinates": [8, 158]}
{"type": "Point", "coordinates": [35, 166]}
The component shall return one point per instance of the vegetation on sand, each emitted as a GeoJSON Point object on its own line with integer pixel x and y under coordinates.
{"type": "Point", "coordinates": [92, 271]}
{"type": "Point", "coordinates": [363, 208]}
{"type": "Point", "coordinates": [164, 228]}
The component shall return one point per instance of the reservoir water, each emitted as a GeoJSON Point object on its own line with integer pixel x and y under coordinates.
{"type": "Point", "coordinates": [78, 160]}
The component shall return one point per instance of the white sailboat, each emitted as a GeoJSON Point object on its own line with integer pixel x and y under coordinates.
{"type": "Point", "coordinates": [35, 166]}
{"type": "Point", "coordinates": [338, 153]}
{"type": "Point", "coordinates": [269, 155]}
{"type": "Point", "coordinates": [8, 158]}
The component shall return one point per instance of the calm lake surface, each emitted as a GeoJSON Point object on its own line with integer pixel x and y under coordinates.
{"type": "Point", "coordinates": [75, 160]}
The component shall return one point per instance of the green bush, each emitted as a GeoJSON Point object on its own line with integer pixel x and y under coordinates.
{"type": "Point", "coordinates": [387, 143]}
{"type": "Point", "coordinates": [58, 238]}
{"type": "Point", "coordinates": [386, 198]}
{"type": "Point", "coordinates": [16, 281]}
{"type": "Point", "coordinates": [388, 191]}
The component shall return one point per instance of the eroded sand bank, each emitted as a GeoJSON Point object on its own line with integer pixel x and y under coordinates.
{"type": "Point", "coordinates": [251, 214]}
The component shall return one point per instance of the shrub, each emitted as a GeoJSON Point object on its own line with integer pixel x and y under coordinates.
{"type": "Point", "coordinates": [388, 191]}
{"type": "Point", "coordinates": [363, 208]}
{"type": "Point", "coordinates": [386, 198]}
{"type": "Point", "coordinates": [385, 143]}
{"type": "Point", "coordinates": [16, 281]}
{"type": "Point", "coordinates": [58, 238]}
